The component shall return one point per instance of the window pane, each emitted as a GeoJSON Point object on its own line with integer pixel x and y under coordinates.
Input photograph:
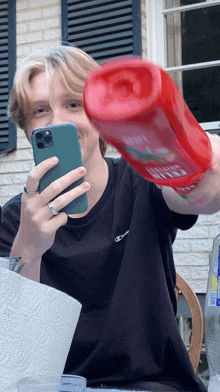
{"type": "Point", "coordinates": [200, 43]}
{"type": "Point", "coordinates": [193, 37]}
{"type": "Point", "coordinates": [200, 35]}
{"type": "Point", "coordinates": [201, 92]}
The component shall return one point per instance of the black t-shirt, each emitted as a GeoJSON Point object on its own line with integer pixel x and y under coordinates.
{"type": "Point", "coordinates": [117, 261]}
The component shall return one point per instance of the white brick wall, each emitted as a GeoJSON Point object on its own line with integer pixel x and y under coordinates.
{"type": "Point", "coordinates": [39, 26]}
{"type": "Point", "coordinates": [192, 250]}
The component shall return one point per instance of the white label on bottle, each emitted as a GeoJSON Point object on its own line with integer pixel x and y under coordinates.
{"type": "Point", "coordinates": [212, 299]}
{"type": "Point", "coordinates": [218, 280]}
{"type": "Point", "coordinates": [167, 172]}
{"type": "Point", "coordinates": [214, 295]}
{"type": "Point", "coordinates": [186, 188]}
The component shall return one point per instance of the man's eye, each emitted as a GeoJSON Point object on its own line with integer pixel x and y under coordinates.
{"type": "Point", "coordinates": [75, 104]}
{"type": "Point", "coordinates": [40, 110]}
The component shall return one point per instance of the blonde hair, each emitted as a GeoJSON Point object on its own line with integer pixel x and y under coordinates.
{"type": "Point", "coordinates": [71, 65]}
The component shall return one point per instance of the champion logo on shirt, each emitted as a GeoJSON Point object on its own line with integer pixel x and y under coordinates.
{"type": "Point", "coordinates": [119, 237]}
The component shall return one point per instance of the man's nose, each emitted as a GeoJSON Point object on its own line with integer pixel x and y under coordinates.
{"type": "Point", "coordinates": [59, 117]}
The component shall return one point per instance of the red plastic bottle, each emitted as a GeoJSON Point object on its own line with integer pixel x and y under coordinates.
{"type": "Point", "coordinates": [136, 106]}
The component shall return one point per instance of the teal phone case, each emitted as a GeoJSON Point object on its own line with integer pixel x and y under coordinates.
{"type": "Point", "coordinates": [67, 148]}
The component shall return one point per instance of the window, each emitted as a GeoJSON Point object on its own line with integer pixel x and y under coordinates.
{"type": "Point", "coordinates": [7, 69]}
{"type": "Point", "coordinates": [184, 38]}
{"type": "Point", "coordinates": [103, 28]}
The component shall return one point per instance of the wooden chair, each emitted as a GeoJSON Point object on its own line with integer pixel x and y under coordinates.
{"type": "Point", "coordinates": [197, 319]}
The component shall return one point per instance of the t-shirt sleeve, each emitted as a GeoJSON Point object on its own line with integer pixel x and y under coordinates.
{"type": "Point", "coordinates": [184, 222]}
{"type": "Point", "coordinates": [163, 213]}
{"type": "Point", "coordinates": [9, 224]}
{"type": "Point", "coordinates": [179, 221]}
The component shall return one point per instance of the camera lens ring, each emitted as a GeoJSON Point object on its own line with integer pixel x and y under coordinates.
{"type": "Point", "coordinates": [48, 139]}
{"type": "Point", "coordinates": [40, 145]}
{"type": "Point", "coordinates": [39, 135]}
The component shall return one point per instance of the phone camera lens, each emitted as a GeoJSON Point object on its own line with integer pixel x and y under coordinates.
{"type": "Point", "coordinates": [39, 135]}
{"type": "Point", "coordinates": [47, 139]}
{"type": "Point", "coordinates": [40, 145]}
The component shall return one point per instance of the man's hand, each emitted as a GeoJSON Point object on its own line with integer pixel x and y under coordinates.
{"type": "Point", "coordinates": [205, 197]}
{"type": "Point", "coordinates": [208, 188]}
{"type": "Point", "coordinates": [38, 225]}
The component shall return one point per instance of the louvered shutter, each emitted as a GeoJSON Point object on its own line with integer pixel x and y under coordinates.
{"type": "Point", "coordinates": [7, 69]}
{"type": "Point", "coordinates": [103, 28]}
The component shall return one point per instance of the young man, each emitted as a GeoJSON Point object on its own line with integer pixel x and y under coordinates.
{"type": "Point", "coordinates": [115, 258]}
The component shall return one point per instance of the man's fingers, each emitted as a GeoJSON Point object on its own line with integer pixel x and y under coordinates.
{"type": "Point", "coordinates": [38, 172]}
{"type": "Point", "coordinates": [64, 199]}
{"type": "Point", "coordinates": [54, 224]}
{"type": "Point", "coordinates": [59, 185]}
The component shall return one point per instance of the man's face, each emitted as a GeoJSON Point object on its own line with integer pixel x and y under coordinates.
{"type": "Point", "coordinates": [51, 104]}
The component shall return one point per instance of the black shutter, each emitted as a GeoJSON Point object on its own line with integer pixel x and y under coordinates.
{"type": "Point", "coordinates": [7, 69]}
{"type": "Point", "coordinates": [103, 28]}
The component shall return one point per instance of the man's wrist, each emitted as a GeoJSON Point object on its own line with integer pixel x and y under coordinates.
{"type": "Point", "coordinates": [27, 257]}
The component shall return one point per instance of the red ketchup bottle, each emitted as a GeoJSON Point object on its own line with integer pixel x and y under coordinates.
{"type": "Point", "coordinates": [136, 106]}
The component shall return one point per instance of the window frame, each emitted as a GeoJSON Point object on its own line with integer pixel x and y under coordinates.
{"type": "Point", "coordinates": [156, 42]}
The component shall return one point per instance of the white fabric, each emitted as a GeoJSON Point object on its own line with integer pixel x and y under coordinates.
{"type": "Point", "coordinates": [4, 263]}
{"type": "Point", "coordinates": [214, 384]}
{"type": "Point", "coordinates": [37, 323]}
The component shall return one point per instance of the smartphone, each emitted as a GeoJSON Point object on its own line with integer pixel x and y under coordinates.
{"type": "Point", "coordinates": [60, 140]}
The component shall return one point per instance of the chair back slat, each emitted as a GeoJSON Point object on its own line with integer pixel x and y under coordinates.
{"type": "Point", "coordinates": [197, 319]}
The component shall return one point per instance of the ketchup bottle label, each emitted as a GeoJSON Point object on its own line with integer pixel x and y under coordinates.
{"type": "Point", "coordinates": [159, 153]}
